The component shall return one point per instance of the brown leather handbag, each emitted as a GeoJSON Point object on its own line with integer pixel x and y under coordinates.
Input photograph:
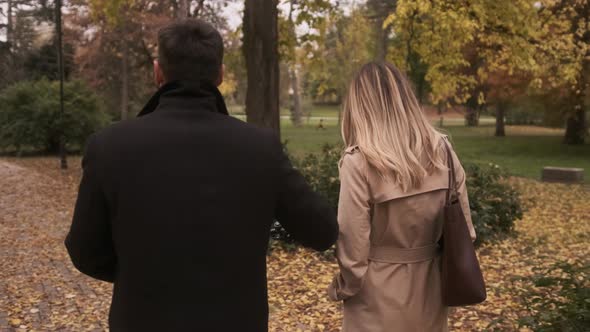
{"type": "Point", "coordinates": [462, 280]}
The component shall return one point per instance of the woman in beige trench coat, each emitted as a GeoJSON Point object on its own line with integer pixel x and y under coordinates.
{"type": "Point", "coordinates": [393, 182]}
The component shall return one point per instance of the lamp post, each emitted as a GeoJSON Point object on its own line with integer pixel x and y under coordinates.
{"type": "Point", "coordinates": [60, 65]}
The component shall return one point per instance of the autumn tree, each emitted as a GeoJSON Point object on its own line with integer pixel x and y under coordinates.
{"type": "Point", "coordinates": [377, 12]}
{"type": "Point", "coordinates": [117, 57]}
{"type": "Point", "coordinates": [341, 48]}
{"type": "Point", "coordinates": [565, 55]}
{"type": "Point", "coordinates": [465, 45]}
{"type": "Point", "coordinates": [26, 27]}
{"type": "Point", "coordinates": [117, 24]}
{"type": "Point", "coordinates": [208, 10]}
{"type": "Point", "coordinates": [235, 78]}
{"type": "Point", "coordinates": [506, 48]}
{"type": "Point", "coordinates": [311, 13]}
{"type": "Point", "coordinates": [288, 57]}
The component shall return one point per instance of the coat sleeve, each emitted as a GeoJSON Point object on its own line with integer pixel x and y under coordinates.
{"type": "Point", "coordinates": [306, 216]}
{"type": "Point", "coordinates": [89, 241]}
{"type": "Point", "coordinates": [460, 178]}
{"type": "Point", "coordinates": [354, 219]}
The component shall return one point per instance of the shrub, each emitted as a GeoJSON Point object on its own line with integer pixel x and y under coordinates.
{"type": "Point", "coordinates": [494, 204]}
{"type": "Point", "coordinates": [321, 172]}
{"type": "Point", "coordinates": [30, 119]}
{"type": "Point", "coordinates": [560, 299]}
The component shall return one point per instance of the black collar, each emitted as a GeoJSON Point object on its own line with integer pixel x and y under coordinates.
{"type": "Point", "coordinates": [186, 94]}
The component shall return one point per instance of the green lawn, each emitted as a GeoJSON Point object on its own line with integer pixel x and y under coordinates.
{"type": "Point", "coordinates": [523, 152]}
{"type": "Point", "coordinates": [320, 111]}
{"type": "Point", "coordinates": [309, 138]}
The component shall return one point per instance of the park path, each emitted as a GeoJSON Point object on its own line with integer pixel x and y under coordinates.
{"type": "Point", "coordinates": [39, 288]}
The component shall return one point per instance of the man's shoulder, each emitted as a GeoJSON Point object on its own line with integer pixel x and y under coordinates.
{"type": "Point", "coordinates": [246, 125]}
{"type": "Point", "coordinates": [115, 129]}
{"type": "Point", "coordinates": [240, 128]}
{"type": "Point", "coordinates": [228, 125]}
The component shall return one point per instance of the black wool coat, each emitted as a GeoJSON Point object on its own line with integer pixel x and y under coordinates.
{"type": "Point", "coordinates": [175, 208]}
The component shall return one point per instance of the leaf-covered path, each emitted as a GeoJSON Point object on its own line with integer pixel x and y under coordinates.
{"type": "Point", "coordinates": [41, 291]}
{"type": "Point", "coordinates": [39, 288]}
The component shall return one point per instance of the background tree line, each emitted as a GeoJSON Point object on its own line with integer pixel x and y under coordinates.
{"type": "Point", "coordinates": [504, 58]}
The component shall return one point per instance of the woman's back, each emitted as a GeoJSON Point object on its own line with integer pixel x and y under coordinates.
{"type": "Point", "coordinates": [394, 181]}
{"type": "Point", "coordinates": [388, 249]}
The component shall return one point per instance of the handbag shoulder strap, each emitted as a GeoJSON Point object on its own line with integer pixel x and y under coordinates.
{"type": "Point", "coordinates": [452, 179]}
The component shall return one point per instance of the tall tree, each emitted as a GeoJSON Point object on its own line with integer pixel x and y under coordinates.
{"type": "Point", "coordinates": [262, 63]}
{"type": "Point", "coordinates": [332, 61]}
{"type": "Point", "coordinates": [234, 84]}
{"type": "Point", "coordinates": [20, 24]}
{"type": "Point", "coordinates": [467, 44]}
{"type": "Point", "coordinates": [60, 65]}
{"type": "Point", "coordinates": [116, 15]}
{"type": "Point", "coordinates": [378, 11]}
{"type": "Point", "coordinates": [566, 49]}
{"type": "Point", "coordinates": [123, 39]}
{"type": "Point", "coordinates": [310, 13]}
{"type": "Point", "coordinates": [290, 56]}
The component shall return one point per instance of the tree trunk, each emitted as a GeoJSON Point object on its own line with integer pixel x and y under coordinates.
{"type": "Point", "coordinates": [577, 124]}
{"type": "Point", "coordinates": [262, 63]}
{"type": "Point", "coordinates": [296, 112]}
{"type": "Point", "coordinates": [60, 63]}
{"type": "Point", "coordinates": [473, 112]}
{"type": "Point", "coordinates": [381, 41]}
{"type": "Point", "coordinates": [500, 114]}
{"type": "Point", "coordinates": [183, 9]}
{"type": "Point", "coordinates": [9, 25]}
{"type": "Point", "coordinates": [124, 80]}
{"type": "Point", "coordinates": [380, 10]}
{"type": "Point", "coordinates": [472, 117]}
{"type": "Point", "coordinates": [576, 129]}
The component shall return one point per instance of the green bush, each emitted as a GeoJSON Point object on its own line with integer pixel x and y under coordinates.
{"type": "Point", "coordinates": [321, 172]}
{"type": "Point", "coordinates": [494, 204]}
{"type": "Point", "coordinates": [560, 299]}
{"type": "Point", "coordinates": [30, 115]}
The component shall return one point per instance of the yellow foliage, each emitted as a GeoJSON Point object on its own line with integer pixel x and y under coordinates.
{"type": "Point", "coordinates": [229, 85]}
{"type": "Point", "coordinates": [464, 44]}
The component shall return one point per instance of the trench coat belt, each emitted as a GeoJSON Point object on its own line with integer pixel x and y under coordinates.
{"type": "Point", "coordinates": [403, 255]}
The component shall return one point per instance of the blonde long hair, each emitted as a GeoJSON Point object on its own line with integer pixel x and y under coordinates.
{"type": "Point", "coordinates": [382, 116]}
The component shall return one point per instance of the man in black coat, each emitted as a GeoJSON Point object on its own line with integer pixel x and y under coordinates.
{"type": "Point", "coordinates": [175, 206]}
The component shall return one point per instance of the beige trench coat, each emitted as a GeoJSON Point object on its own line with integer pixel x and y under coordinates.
{"type": "Point", "coordinates": [389, 263]}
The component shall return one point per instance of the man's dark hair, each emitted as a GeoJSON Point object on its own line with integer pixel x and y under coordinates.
{"type": "Point", "coordinates": [190, 49]}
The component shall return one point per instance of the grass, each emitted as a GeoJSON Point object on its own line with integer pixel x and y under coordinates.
{"type": "Point", "coordinates": [321, 111]}
{"type": "Point", "coordinates": [309, 138]}
{"type": "Point", "coordinates": [523, 152]}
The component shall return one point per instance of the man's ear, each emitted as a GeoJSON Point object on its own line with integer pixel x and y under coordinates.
{"type": "Point", "coordinates": [159, 78]}
{"type": "Point", "coordinates": [221, 74]}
